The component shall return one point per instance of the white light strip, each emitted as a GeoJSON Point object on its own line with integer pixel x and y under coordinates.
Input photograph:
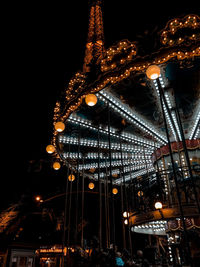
{"type": "Point", "coordinates": [114, 155]}
{"type": "Point", "coordinates": [169, 107]}
{"type": "Point", "coordinates": [134, 175]}
{"type": "Point", "coordinates": [127, 170]}
{"type": "Point", "coordinates": [193, 134]}
{"type": "Point", "coordinates": [115, 163]}
{"type": "Point", "coordinates": [131, 116]}
{"type": "Point", "coordinates": [155, 226]}
{"type": "Point", "coordinates": [197, 133]}
{"type": "Point", "coordinates": [124, 135]}
{"type": "Point", "coordinates": [103, 145]}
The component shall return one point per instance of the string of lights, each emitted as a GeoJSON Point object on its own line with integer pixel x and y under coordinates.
{"type": "Point", "coordinates": [193, 134]}
{"type": "Point", "coordinates": [168, 100]}
{"type": "Point", "coordinates": [114, 155]}
{"type": "Point", "coordinates": [127, 169]}
{"type": "Point", "coordinates": [131, 115]}
{"type": "Point", "coordinates": [127, 178]}
{"type": "Point", "coordinates": [124, 135]}
{"type": "Point", "coordinates": [115, 163]}
{"type": "Point", "coordinates": [103, 144]}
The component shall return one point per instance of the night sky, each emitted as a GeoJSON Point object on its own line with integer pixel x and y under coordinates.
{"type": "Point", "coordinates": [43, 46]}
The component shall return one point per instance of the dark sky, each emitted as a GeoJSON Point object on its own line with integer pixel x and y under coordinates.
{"type": "Point", "coordinates": [43, 45]}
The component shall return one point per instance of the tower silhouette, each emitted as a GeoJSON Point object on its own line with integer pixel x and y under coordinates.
{"type": "Point", "coordinates": [95, 39]}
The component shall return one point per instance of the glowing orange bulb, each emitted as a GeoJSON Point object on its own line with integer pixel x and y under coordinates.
{"type": "Point", "coordinates": [59, 126]}
{"type": "Point", "coordinates": [140, 193]}
{"type": "Point", "coordinates": [37, 198]}
{"type": "Point", "coordinates": [71, 177]}
{"type": "Point", "coordinates": [50, 149]}
{"type": "Point", "coordinates": [91, 100]}
{"type": "Point", "coordinates": [56, 165]}
{"type": "Point", "coordinates": [91, 186]}
{"type": "Point", "coordinates": [153, 72]}
{"type": "Point", "coordinates": [115, 191]}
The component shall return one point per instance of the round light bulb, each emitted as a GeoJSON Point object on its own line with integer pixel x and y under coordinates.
{"type": "Point", "coordinates": [59, 126]}
{"type": "Point", "coordinates": [140, 193]}
{"type": "Point", "coordinates": [71, 177]}
{"type": "Point", "coordinates": [115, 191]}
{"type": "Point", "coordinates": [91, 100]}
{"type": "Point", "coordinates": [125, 214]}
{"type": "Point", "coordinates": [91, 186]}
{"type": "Point", "coordinates": [158, 205]}
{"type": "Point", "coordinates": [56, 165]}
{"type": "Point", "coordinates": [153, 72]}
{"type": "Point", "coordinates": [50, 149]}
{"type": "Point", "coordinates": [37, 198]}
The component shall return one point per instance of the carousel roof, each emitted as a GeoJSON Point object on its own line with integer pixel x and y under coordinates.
{"type": "Point", "coordinates": [126, 125]}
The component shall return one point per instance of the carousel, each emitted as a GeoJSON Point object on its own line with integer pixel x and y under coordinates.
{"type": "Point", "coordinates": [126, 134]}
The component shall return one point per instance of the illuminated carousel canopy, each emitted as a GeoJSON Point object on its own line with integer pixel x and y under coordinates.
{"type": "Point", "coordinates": [136, 128]}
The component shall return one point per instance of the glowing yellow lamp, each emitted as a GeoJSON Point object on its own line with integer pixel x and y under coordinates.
{"type": "Point", "coordinates": [37, 198]}
{"type": "Point", "coordinates": [50, 149]}
{"type": "Point", "coordinates": [126, 221]}
{"type": "Point", "coordinates": [91, 186]}
{"type": "Point", "coordinates": [71, 177]}
{"type": "Point", "coordinates": [115, 191]}
{"type": "Point", "coordinates": [140, 193]}
{"type": "Point", "coordinates": [91, 100]}
{"type": "Point", "coordinates": [59, 126]}
{"type": "Point", "coordinates": [158, 205]}
{"type": "Point", "coordinates": [153, 72]}
{"type": "Point", "coordinates": [125, 214]}
{"type": "Point", "coordinates": [56, 165]}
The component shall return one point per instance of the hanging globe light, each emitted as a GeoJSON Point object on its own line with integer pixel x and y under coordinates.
{"type": "Point", "coordinates": [158, 205]}
{"type": "Point", "coordinates": [153, 72]}
{"type": "Point", "coordinates": [59, 126]}
{"type": "Point", "coordinates": [37, 198]}
{"type": "Point", "coordinates": [56, 165]}
{"type": "Point", "coordinates": [140, 193]}
{"type": "Point", "coordinates": [115, 191]}
{"type": "Point", "coordinates": [71, 177]}
{"type": "Point", "coordinates": [91, 186]}
{"type": "Point", "coordinates": [50, 149]}
{"type": "Point", "coordinates": [91, 100]}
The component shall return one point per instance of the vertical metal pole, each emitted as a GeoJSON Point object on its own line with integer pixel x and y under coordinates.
{"type": "Point", "coordinates": [129, 228]}
{"type": "Point", "coordinates": [77, 188]}
{"type": "Point", "coordinates": [126, 199]}
{"type": "Point", "coordinates": [183, 138]}
{"type": "Point", "coordinates": [107, 210]}
{"type": "Point", "coordinates": [122, 210]}
{"type": "Point", "coordinates": [111, 183]}
{"type": "Point", "coordinates": [65, 214]}
{"type": "Point", "coordinates": [69, 217]}
{"type": "Point", "coordinates": [100, 194]}
{"type": "Point", "coordinates": [174, 172]}
{"type": "Point", "coordinates": [186, 153]}
{"type": "Point", "coordinates": [82, 210]}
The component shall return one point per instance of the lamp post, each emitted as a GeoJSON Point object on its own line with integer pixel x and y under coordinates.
{"type": "Point", "coordinates": [158, 206]}
{"type": "Point", "coordinates": [153, 73]}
